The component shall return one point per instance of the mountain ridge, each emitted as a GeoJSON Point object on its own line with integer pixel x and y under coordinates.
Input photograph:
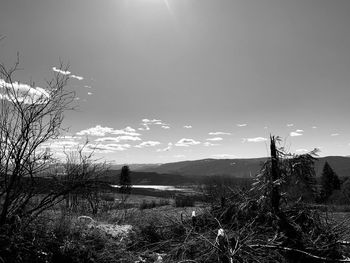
{"type": "Point", "coordinates": [238, 167]}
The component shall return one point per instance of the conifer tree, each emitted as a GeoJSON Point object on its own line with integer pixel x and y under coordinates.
{"type": "Point", "coordinates": [329, 182]}
{"type": "Point", "coordinates": [125, 183]}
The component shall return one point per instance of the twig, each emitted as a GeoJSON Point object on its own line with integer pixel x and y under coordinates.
{"type": "Point", "coordinates": [301, 252]}
{"type": "Point", "coordinates": [343, 242]}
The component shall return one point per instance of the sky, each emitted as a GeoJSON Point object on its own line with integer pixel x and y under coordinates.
{"type": "Point", "coordinates": [170, 80]}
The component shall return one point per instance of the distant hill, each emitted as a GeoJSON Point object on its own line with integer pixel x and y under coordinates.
{"type": "Point", "coordinates": [211, 167]}
{"type": "Point", "coordinates": [135, 166]}
{"type": "Point", "coordinates": [242, 168]}
{"type": "Point", "coordinates": [148, 178]}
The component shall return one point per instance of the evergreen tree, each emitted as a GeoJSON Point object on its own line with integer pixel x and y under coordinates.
{"type": "Point", "coordinates": [329, 182]}
{"type": "Point", "coordinates": [125, 183]}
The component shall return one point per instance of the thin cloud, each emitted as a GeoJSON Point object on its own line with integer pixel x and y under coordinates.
{"type": "Point", "coordinates": [98, 130]}
{"type": "Point", "coordinates": [89, 93]}
{"type": "Point", "coordinates": [76, 77]}
{"type": "Point", "coordinates": [242, 125]}
{"type": "Point", "coordinates": [215, 139]}
{"type": "Point", "coordinates": [299, 131]}
{"type": "Point", "coordinates": [23, 93]}
{"type": "Point", "coordinates": [61, 71]}
{"type": "Point", "coordinates": [290, 124]}
{"type": "Point", "coordinates": [95, 131]}
{"type": "Point", "coordinates": [188, 126]}
{"type": "Point", "coordinates": [314, 127]}
{"type": "Point", "coordinates": [151, 121]}
{"type": "Point", "coordinates": [146, 123]}
{"type": "Point", "coordinates": [147, 144]}
{"type": "Point", "coordinates": [219, 133]}
{"type": "Point", "coordinates": [184, 142]}
{"type": "Point", "coordinates": [256, 139]}
{"type": "Point", "coordinates": [295, 134]}
{"type": "Point", "coordinates": [335, 134]}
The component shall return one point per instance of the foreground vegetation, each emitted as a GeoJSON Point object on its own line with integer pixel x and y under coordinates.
{"type": "Point", "coordinates": [227, 223]}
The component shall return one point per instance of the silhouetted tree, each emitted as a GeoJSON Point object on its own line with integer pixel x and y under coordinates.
{"type": "Point", "coordinates": [125, 183]}
{"type": "Point", "coordinates": [29, 118]}
{"type": "Point", "coordinates": [329, 182]}
{"type": "Point", "coordinates": [282, 172]}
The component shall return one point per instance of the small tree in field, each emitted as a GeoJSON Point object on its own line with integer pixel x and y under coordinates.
{"type": "Point", "coordinates": [125, 183]}
{"type": "Point", "coordinates": [329, 182]}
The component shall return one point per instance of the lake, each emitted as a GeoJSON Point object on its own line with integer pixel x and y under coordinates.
{"type": "Point", "coordinates": [158, 187]}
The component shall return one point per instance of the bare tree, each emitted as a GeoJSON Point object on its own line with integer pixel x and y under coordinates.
{"type": "Point", "coordinates": [82, 176]}
{"type": "Point", "coordinates": [29, 117]}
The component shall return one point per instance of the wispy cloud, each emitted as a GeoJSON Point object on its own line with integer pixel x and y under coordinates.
{"type": "Point", "coordinates": [215, 139]}
{"type": "Point", "coordinates": [219, 133]}
{"type": "Point", "coordinates": [188, 126]}
{"type": "Point", "coordinates": [66, 72]}
{"type": "Point", "coordinates": [290, 124]}
{"type": "Point", "coordinates": [89, 93]}
{"type": "Point", "coordinates": [224, 155]}
{"type": "Point", "coordinates": [147, 144]}
{"type": "Point", "coordinates": [314, 127]}
{"type": "Point", "coordinates": [61, 71]}
{"type": "Point", "coordinates": [146, 123]}
{"type": "Point", "coordinates": [151, 121]}
{"type": "Point", "coordinates": [76, 77]}
{"type": "Point", "coordinates": [184, 142]}
{"type": "Point", "coordinates": [23, 93]}
{"type": "Point", "coordinates": [295, 134]}
{"type": "Point", "coordinates": [256, 139]}
{"type": "Point", "coordinates": [168, 148]}
{"type": "Point", "coordinates": [98, 130]}
{"type": "Point", "coordinates": [335, 134]}
{"type": "Point", "coordinates": [242, 125]}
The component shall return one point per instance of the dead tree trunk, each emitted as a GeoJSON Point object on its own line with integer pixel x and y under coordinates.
{"type": "Point", "coordinates": [275, 175]}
